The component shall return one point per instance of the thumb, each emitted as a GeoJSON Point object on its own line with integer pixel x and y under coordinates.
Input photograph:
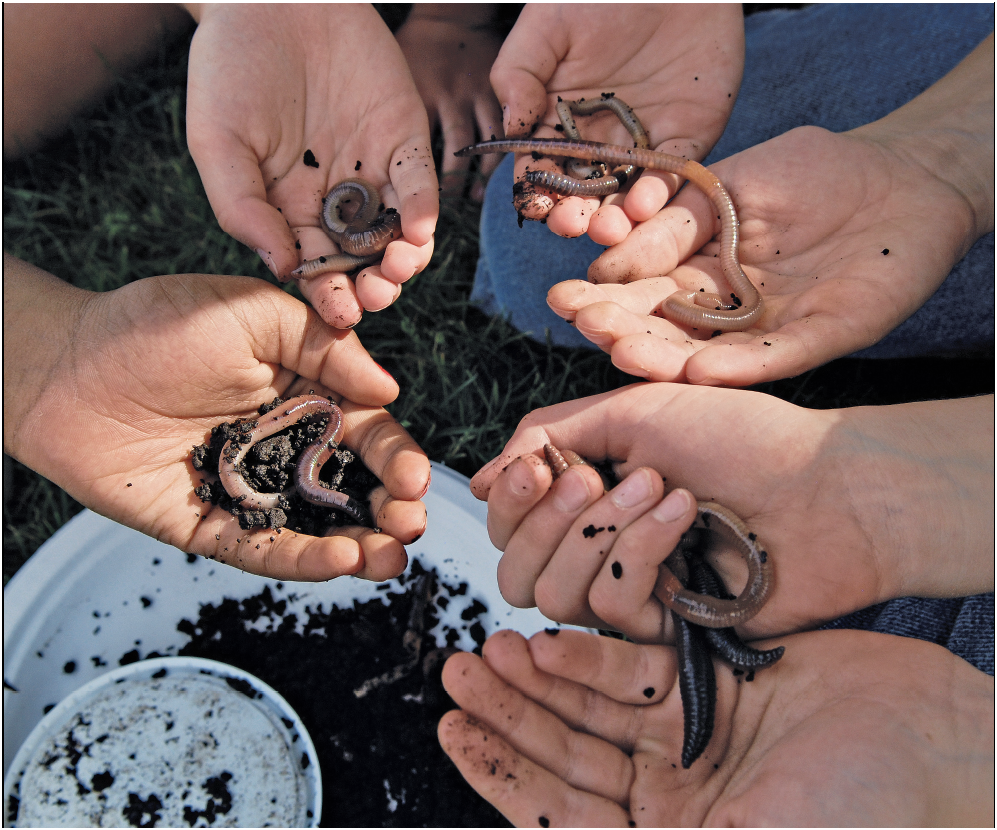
{"type": "Point", "coordinates": [519, 76]}
{"type": "Point", "coordinates": [233, 182]}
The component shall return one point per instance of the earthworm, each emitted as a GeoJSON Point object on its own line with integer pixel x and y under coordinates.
{"type": "Point", "coordinates": [724, 641]}
{"type": "Point", "coordinates": [584, 179]}
{"type": "Point", "coordinates": [697, 310]}
{"type": "Point", "coordinates": [309, 464]}
{"type": "Point", "coordinates": [702, 609]}
{"type": "Point", "coordinates": [362, 237]}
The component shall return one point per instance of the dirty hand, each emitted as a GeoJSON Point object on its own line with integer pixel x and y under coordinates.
{"type": "Point", "coordinates": [849, 728]}
{"type": "Point", "coordinates": [844, 235]}
{"type": "Point", "coordinates": [106, 394]}
{"type": "Point", "coordinates": [851, 505]}
{"type": "Point", "coordinates": [679, 67]}
{"type": "Point", "coordinates": [272, 86]}
{"type": "Point", "coordinates": [450, 50]}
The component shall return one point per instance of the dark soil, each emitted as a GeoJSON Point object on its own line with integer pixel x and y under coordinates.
{"type": "Point", "coordinates": [382, 765]}
{"type": "Point", "coordinates": [269, 468]}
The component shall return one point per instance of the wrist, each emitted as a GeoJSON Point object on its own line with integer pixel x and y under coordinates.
{"type": "Point", "coordinates": [948, 131]}
{"type": "Point", "coordinates": [41, 313]}
{"type": "Point", "coordinates": [918, 480]}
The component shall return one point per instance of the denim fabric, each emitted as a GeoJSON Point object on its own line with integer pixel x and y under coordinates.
{"type": "Point", "coordinates": [832, 66]}
{"type": "Point", "coordinates": [837, 67]}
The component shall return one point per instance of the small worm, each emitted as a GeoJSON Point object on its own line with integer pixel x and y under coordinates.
{"type": "Point", "coordinates": [697, 310]}
{"type": "Point", "coordinates": [362, 238]}
{"type": "Point", "coordinates": [702, 609]}
{"type": "Point", "coordinates": [585, 179]}
{"type": "Point", "coordinates": [309, 464]}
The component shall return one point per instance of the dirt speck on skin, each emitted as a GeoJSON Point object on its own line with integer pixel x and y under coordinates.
{"type": "Point", "coordinates": [382, 765]}
{"type": "Point", "coordinates": [269, 467]}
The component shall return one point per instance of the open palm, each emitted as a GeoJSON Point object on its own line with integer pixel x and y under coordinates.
{"type": "Point", "coordinates": [843, 236]}
{"type": "Point", "coordinates": [155, 365]}
{"type": "Point", "coordinates": [850, 728]}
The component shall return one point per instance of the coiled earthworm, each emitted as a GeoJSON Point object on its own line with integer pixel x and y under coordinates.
{"type": "Point", "coordinates": [702, 609]}
{"type": "Point", "coordinates": [362, 237]}
{"type": "Point", "coordinates": [694, 309]}
{"type": "Point", "coordinates": [309, 464]}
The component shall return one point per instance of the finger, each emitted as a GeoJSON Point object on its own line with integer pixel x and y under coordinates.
{"type": "Point", "coordinates": [404, 519]}
{"type": "Point", "coordinates": [402, 261]}
{"type": "Point", "coordinates": [622, 593]}
{"type": "Point", "coordinates": [519, 76]}
{"type": "Point", "coordinates": [610, 225]}
{"type": "Point", "coordinates": [375, 292]}
{"type": "Point", "coordinates": [233, 182]}
{"type": "Point", "coordinates": [382, 555]}
{"type": "Point", "coordinates": [571, 215]}
{"type": "Point", "coordinates": [276, 554]}
{"type": "Point", "coordinates": [520, 486]}
{"type": "Point", "coordinates": [648, 677]}
{"type": "Point", "coordinates": [334, 297]}
{"type": "Point", "coordinates": [562, 589]}
{"type": "Point", "coordinates": [578, 759]}
{"type": "Point", "coordinates": [387, 450]}
{"type": "Point", "coordinates": [458, 132]}
{"type": "Point", "coordinates": [413, 177]}
{"type": "Point", "coordinates": [524, 792]}
{"type": "Point", "coordinates": [537, 539]}
{"type": "Point", "coordinates": [642, 297]}
{"type": "Point", "coordinates": [626, 673]}
{"type": "Point", "coordinates": [656, 247]}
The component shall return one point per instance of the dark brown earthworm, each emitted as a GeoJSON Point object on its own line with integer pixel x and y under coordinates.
{"type": "Point", "coordinates": [699, 310]}
{"type": "Point", "coordinates": [309, 464]}
{"type": "Point", "coordinates": [362, 237]}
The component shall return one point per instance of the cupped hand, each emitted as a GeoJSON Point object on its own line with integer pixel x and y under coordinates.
{"type": "Point", "coordinates": [843, 236]}
{"type": "Point", "coordinates": [283, 103]}
{"type": "Point", "coordinates": [679, 67]}
{"type": "Point", "coordinates": [153, 366]}
{"type": "Point", "coordinates": [838, 499]}
{"type": "Point", "coordinates": [848, 728]}
{"type": "Point", "coordinates": [450, 51]}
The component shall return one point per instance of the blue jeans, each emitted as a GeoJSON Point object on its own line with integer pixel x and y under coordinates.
{"type": "Point", "coordinates": [837, 67]}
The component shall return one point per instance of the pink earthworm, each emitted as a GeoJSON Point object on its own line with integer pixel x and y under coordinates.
{"type": "Point", "coordinates": [362, 237]}
{"type": "Point", "coordinates": [309, 464]}
{"type": "Point", "coordinates": [697, 310]}
{"type": "Point", "coordinates": [702, 609]}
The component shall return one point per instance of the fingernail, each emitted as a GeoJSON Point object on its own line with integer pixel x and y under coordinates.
{"type": "Point", "coordinates": [571, 491]}
{"type": "Point", "coordinates": [520, 478]}
{"type": "Point", "coordinates": [673, 507]}
{"type": "Point", "coordinates": [429, 481]}
{"type": "Point", "coordinates": [634, 489]}
{"type": "Point", "coordinates": [505, 119]}
{"type": "Point", "coordinates": [267, 260]}
{"type": "Point", "coordinates": [379, 366]}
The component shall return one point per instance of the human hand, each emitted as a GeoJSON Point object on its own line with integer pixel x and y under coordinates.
{"type": "Point", "coordinates": [450, 50]}
{"type": "Point", "coordinates": [844, 235]}
{"type": "Point", "coordinates": [851, 505]}
{"type": "Point", "coordinates": [272, 86]}
{"type": "Point", "coordinates": [151, 367]}
{"type": "Point", "coordinates": [849, 728]}
{"type": "Point", "coordinates": [834, 235]}
{"type": "Point", "coordinates": [679, 67]}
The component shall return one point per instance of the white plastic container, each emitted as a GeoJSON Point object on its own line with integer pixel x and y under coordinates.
{"type": "Point", "coordinates": [177, 741]}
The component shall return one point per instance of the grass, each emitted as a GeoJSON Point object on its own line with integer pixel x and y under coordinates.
{"type": "Point", "coordinates": [117, 198]}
